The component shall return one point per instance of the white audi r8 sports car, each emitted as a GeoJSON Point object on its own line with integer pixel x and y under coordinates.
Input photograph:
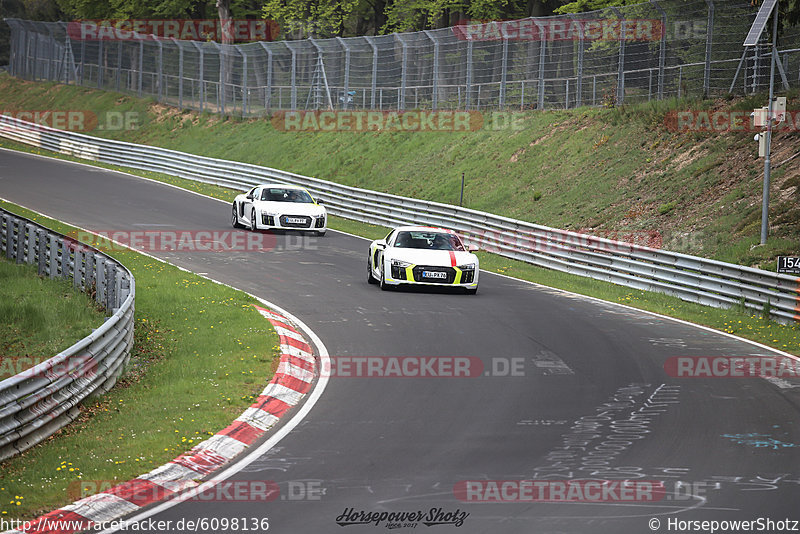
{"type": "Point", "coordinates": [422, 255]}
{"type": "Point", "coordinates": [279, 206]}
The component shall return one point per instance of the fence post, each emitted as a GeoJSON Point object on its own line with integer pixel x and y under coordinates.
{"type": "Point", "coordinates": [371, 42]}
{"type": "Point", "coordinates": [119, 65]}
{"type": "Point", "coordinates": [42, 235]}
{"type": "Point", "coordinates": [201, 76]}
{"type": "Point", "coordinates": [65, 263]}
{"type": "Point", "coordinates": [77, 270]}
{"type": "Point", "coordinates": [503, 74]}
{"type": "Point", "coordinates": [69, 55]}
{"type": "Point", "coordinates": [12, 52]}
{"type": "Point", "coordinates": [35, 54]}
{"type": "Point", "coordinates": [662, 54]}
{"type": "Point", "coordinates": [50, 53]}
{"type": "Point", "coordinates": [100, 278]}
{"type": "Point", "coordinates": [100, 64]}
{"type": "Point", "coordinates": [160, 70]}
{"type": "Point", "coordinates": [30, 253]}
{"type": "Point", "coordinates": [23, 56]}
{"type": "Point", "coordinates": [579, 79]}
{"type": "Point", "coordinates": [346, 70]}
{"type": "Point", "coordinates": [221, 87]}
{"type": "Point", "coordinates": [542, 50]}
{"type": "Point", "coordinates": [19, 246]}
{"type": "Point", "coordinates": [141, 68]}
{"type": "Point", "coordinates": [244, 80]}
{"type": "Point", "coordinates": [435, 84]}
{"type": "Point", "coordinates": [621, 70]}
{"type": "Point", "coordinates": [401, 98]}
{"type": "Point", "coordinates": [469, 80]}
{"type": "Point", "coordinates": [83, 59]}
{"type": "Point", "coordinates": [268, 93]}
{"type": "Point", "coordinates": [52, 256]}
{"type": "Point", "coordinates": [180, 72]}
{"type": "Point", "coordinates": [13, 57]}
{"type": "Point", "coordinates": [709, 42]}
{"type": "Point", "coordinates": [293, 103]}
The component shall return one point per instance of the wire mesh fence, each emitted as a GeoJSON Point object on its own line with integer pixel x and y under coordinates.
{"type": "Point", "coordinates": [649, 51]}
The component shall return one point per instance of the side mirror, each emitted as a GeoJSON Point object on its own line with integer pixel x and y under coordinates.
{"type": "Point", "coordinates": [249, 196]}
{"type": "Point", "coordinates": [381, 244]}
{"type": "Point", "coordinates": [320, 202]}
{"type": "Point", "coordinates": [473, 248]}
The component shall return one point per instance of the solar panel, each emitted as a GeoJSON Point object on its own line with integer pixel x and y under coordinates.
{"type": "Point", "coordinates": [760, 23]}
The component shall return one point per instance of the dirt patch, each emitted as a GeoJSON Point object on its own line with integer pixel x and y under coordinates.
{"type": "Point", "coordinates": [687, 157]}
{"type": "Point", "coordinates": [161, 112]}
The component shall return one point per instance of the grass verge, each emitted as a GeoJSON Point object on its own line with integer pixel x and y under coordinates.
{"type": "Point", "coordinates": [39, 317]}
{"type": "Point", "coordinates": [202, 353]}
{"type": "Point", "coordinates": [734, 320]}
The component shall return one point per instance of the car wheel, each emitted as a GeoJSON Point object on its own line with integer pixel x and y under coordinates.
{"type": "Point", "coordinates": [383, 284]}
{"type": "Point", "coordinates": [235, 218]}
{"type": "Point", "coordinates": [470, 290]}
{"type": "Point", "coordinates": [253, 220]}
{"type": "Point", "coordinates": [370, 277]}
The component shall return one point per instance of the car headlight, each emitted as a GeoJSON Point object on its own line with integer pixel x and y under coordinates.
{"type": "Point", "coordinates": [400, 263]}
{"type": "Point", "coordinates": [467, 267]}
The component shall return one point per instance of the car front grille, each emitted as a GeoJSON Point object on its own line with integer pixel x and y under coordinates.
{"type": "Point", "coordinates": [449, 271]}
{"type": "Point", "coordinates": [306, 221]}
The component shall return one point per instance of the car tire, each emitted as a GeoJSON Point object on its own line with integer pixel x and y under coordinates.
{"type": "Point", "coordinates": [234, 217]}
{"type": "Point", "coordinates": [384, 286]}
{"type": "Point", "coordinates": [470, 290]}
{"type": "Point", "coordinates": [370, 279]}
{"type": "Point", "coordinates": [253, 226]}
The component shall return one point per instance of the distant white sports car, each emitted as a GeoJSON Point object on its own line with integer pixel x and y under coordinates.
{"type": "Point", "coordinates": [422, 255]}
{"type": "Point", "coordinates": [278, 206]}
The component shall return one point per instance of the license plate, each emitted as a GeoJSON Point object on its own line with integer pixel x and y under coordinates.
{"type": "Point", "coordinates": [433, 274]}
{"type": "Point", "coordinates": [295, 220]}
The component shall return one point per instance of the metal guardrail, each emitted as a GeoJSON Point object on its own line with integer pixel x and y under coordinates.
{"type": "Point", "coordinates": [690, 278]}
{"type": "Point", "coordinates": [37, 402]}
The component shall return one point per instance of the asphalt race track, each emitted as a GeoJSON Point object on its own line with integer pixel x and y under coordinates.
{"type": "Point", "coordinates": [552, 399]}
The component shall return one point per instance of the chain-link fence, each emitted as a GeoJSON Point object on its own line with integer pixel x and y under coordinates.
{"type": "Point", "coordinates": [654, 50]}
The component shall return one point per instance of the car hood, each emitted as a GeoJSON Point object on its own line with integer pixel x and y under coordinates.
{"type": "Point", "coordinates": [443, 258]}
{"type": "Point", "coordinates": [290, 208]}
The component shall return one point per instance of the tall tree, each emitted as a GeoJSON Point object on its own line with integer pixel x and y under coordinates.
{"type": "Point", "coordinates": [310, 18]}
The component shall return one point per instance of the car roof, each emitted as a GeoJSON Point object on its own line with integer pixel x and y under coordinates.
{"type": "Point", "coordinates": [283, 186]}
{"type": "Point", "coordinates": [423, 229]}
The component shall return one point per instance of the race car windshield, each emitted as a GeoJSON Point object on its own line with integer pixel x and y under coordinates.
{"type": "Point", "coordinates": [276, 194]}
{"type": "Point", "coordinates": [428, 240]}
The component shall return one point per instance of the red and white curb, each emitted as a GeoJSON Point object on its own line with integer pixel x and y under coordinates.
{"type": "Point", "coordinates": [292, 380]}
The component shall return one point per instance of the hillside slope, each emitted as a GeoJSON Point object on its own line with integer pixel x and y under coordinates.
{"type": "Point", "coordinates": [620, 173]}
